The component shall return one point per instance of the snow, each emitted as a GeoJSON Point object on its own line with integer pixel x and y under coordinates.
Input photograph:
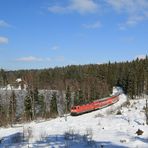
{"type": "Point", "coordinates": [10, 87]}
{"type": "Point", "coordinates": [101, 128]}
{"type": "Point", "coordinates": [18, 80]}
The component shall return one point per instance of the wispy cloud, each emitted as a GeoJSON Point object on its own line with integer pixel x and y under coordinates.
{"type": "Point", "coordinates": [60, 59]}
{"type": "Point", "coordinates": [48, 59]}
{"type": "Point", "coordinates": [129, 6]}
{"type": "Point", "coordinates": [39, 59]}
{"type": "Point", "coordinates": [29, 59]}
{"type": "Point", "coordinates": [4, 24]}
{"type": "Point", "coordinates": [55, 47]}
{"type": "Point", "coordinates": [3, 40]}
{"type": "Point", "coordinates": [80, 6]}
{"type": "Point", "coordinates": [57, 9]}
{"type": "Point", "coordinates": [92, 26]}
{"type": "Point", "coordinates": [83, 6]}
{"type": "Point", "coordinates": [136, 11]}
{"type": "Point", "coordinates": [131, 21]}
{"type": "Point", "coordinates": [128, 40]}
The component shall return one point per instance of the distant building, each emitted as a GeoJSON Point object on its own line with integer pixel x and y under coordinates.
{"type": "Point", "coordinates": [11, 87]}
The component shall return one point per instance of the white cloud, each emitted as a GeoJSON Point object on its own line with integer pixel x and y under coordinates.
{"type": "Point", "coordinates": [92, 26]}
{"type": "Point", "coordinates": [48, 59]}
{"type": "Point", "coordinates": [83, 6]}
{"type": "Point", "coordinates": [4, 24]}
{"type": "Point", "coordinates": [60, 58]}
{"type": "Point", "coordinates": [55, 47]}
{"type": "Point", "coordinates": [132, 21]}
{"type": "Point", "coordinates": [136, 11]}
{"type": "Point", "coordinates": [80, 6]}
{"type": "Point", "coordinates": [29, 59]}
{"type": "Point", "coordinates": [3, 40]}
{"type": "Point", "coordinates": [129, 6]}
{"type": "Point", "coordinates": [39, 59]}
{"type": "Point", "coordinates": [57, 9]}
{"type": "Point", "coordinates": [128, 40]}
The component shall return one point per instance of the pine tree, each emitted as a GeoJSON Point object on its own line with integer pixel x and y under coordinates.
{"type": "Point", "coordinates": [131, 85]}
{"type": "Point", "coordinates": [28, 107]}
{"type": "Point", "coordinates": [68, 99]}
{"type": "Point", "coordinates": [146, 112]}
{"type": "Point", "coordinates": [2, 113]}
{"type": "Point", "coordinates": [40, 106]}
{"type": "Point", "coordinates": [35, 102]}
{"type": "Point", "coordinates": [53, 105]}
{"type": "Point", "coordinates": [81, 97]}
{"type": "Point", "coordinates": [12, 107]}
{"type": "Point", "coordinates": [76, 99]}
{"type": "Point", "coordinates": [4, 78]}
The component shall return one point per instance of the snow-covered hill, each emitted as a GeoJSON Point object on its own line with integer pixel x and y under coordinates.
{"type": "Point", "coordinates": [101, 128]}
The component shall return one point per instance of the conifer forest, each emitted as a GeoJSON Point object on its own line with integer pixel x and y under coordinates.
{"type": "Point", "coordinates": [51, 92]}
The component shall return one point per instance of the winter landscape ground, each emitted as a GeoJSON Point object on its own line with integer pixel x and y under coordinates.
{"type": "Point", "coordinates": [99, 129]}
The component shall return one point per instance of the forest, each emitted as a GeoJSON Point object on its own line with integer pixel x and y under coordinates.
{"type": "Point", "coordinates": [80, 84]}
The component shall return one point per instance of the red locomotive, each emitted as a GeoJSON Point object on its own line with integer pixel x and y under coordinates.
{"type": "Point", "coordinates": [98, 104]}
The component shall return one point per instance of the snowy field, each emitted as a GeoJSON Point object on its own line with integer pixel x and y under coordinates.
{"type": "Point", "coordinates": [98, 129]}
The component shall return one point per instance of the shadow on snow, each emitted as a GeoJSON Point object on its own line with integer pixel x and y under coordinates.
{"type": "Point", "coordinates": [60, 141]}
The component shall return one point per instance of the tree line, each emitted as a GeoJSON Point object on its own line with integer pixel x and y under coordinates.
{"type": "Point", "coordinates": [81, 84]}
{"type": "Point", "coordinates": [89, 81]}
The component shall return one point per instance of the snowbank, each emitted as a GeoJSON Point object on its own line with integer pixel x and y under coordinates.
{"type": "Point", "coordinates": [95, 129]}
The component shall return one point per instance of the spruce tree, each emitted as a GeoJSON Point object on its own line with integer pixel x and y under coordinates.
{"type": "Point", "coordinates": [68, 99]}
{"type": "Point", "coordinates": [81, 97]}
{"type": "Point", "coordinates": [131, 85]}
{"type": "Point", "coordinates": [40, 106]}
{"type": "Point", "coordinates": [2, 113]}
{"type": "Point", "coordinates": [28, 107]}
{"type": "Point", "coordinates": [4, 78]}
{"type": "Point", "coordinates": [76, 99]}
{"type": "Point", "coordinates": [12, 107]}
{"type": "Point", "coordinates": [53, 105]}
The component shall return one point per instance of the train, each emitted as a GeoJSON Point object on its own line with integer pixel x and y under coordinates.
{"type": "Point", "coordinates": [95, 105]}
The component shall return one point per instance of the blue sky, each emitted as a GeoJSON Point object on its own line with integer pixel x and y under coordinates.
{"type": "Point", "coordinates": [49, 33]}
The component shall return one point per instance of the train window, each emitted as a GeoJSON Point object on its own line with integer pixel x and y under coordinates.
{"type": "Point", "coordinates": [73, 108]}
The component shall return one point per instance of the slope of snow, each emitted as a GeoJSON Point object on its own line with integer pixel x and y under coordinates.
{"type": "Point", "coordinates": [101, 128]}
